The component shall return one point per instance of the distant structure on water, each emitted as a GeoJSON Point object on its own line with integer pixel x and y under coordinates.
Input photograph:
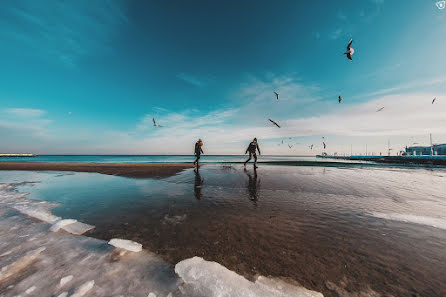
{"type": "Point", "coordinates": [435, 149]}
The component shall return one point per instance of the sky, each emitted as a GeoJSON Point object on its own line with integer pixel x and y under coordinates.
{"type": "Point", "coordinates": [86, 77]}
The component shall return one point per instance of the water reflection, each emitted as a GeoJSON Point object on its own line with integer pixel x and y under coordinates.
{"type": "Point", "coordinates": [252, 185]}
{"type": "Point", "coordinates": [198, 185]}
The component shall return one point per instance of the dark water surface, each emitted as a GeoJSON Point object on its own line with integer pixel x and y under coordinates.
{"type": "Point", "coordinates": [339, 231]}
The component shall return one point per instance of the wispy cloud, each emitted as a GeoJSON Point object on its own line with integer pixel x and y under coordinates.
{"type": "Point", "coordinates": [336, 34]}
{"type": "Point", "coordinates": [61, 30]}
{"type": "Point", "coordinates": [25, 112]}
{"type": "Point", "coordinates": [193, 80]}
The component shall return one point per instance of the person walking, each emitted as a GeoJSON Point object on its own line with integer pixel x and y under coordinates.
{"type": "Point", "coordinates": [252, 148]}
{"type": "Point", "coordinates": [198, 151]}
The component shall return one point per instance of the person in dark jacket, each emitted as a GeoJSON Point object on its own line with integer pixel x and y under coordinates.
{"type": "Point", "coordinates": [253, 146]}
{"type": "Point", "coordinates": [198, 151]}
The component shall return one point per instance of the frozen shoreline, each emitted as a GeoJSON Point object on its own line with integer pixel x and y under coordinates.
{"type": "Point", "coordinates": [38, 262]}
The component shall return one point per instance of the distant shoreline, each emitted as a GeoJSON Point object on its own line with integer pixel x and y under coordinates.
{"type": "Point", "coordinates": [120, 169]}
{"type": "Point", "coordinates": [17, 155]}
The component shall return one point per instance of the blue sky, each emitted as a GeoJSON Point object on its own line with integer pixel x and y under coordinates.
{"type": "Point", "coordinates": [87, 77]}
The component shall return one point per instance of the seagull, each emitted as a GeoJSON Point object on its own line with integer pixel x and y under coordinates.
{"type": "Point", "coordinates": [380, 109]}
{"type": "Point", "coordinates": [434, 100]}
{"type": "Point", "coordinates": [350, 51]}
{"type": "Point", "coordinates": [324, 144]}
{"type": "Point", "coordinates": [155, 124]}
{"type": "Point", "coordinates": [311, 146]}
{"type": "Point", "coordinates": [290, 146]}
{"type": "Point", "coordinates": [277, 95]}
{"type": "Point", "coordinates": [274, 123]}
{"type": "Point", "coordinates": [339, 99]}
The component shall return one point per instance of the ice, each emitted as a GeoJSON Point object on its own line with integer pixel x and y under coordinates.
{"type": "Point", "coordinates": [77, 228]}
{"type": "Point", "coordinates": [63, 294]}
{"type": "Point", "coordinates": [421, 220]}
{"type": "Point", "coordinates": [65, 280]}
{"type": "Point", "coordinates": [151, 295]}
{"type": "Point", "coordinates": [30, 290]}
{"type": "Point", "coordinates": [42, 214]}
{"type": "Point", "coordinates": [211, 279]}
{"type": "Point", "coordinates": [126, 244]}
{"type": "Point", "coordinates": [82, 290]}
{"type": "Point", "coordinates": [61, 223]}
{"type": "Point", "coordinates": [14, 268]}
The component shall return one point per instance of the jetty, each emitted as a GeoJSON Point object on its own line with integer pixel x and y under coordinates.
{"type": "Point", "coordinates": [17, 155]}
{"type": "Point", "coordinates": [422, 160]}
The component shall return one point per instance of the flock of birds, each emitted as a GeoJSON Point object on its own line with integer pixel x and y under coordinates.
{"type": "Point", "coordinates": [348, 53]}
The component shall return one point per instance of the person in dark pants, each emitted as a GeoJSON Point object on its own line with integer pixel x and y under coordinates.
{"type": "Point", "coordinates": [253, 146]}
{"type": "Point", "coordinates": [198, 151]}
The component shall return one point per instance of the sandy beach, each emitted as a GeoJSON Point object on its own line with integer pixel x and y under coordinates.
{"type": "Point", "coordinates": [119, 169]}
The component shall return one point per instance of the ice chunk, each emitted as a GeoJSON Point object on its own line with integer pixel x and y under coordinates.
{"type": "Point", "coordinates": [20, 264]}
{"type": "Point", "coordinates": [77, 228]}
{"type": "Point", "coordinates": [61, 223]}
{"type": "Point", "coordinates": [422, 220]}
{"type": "Point", "coordinates": [63, 294]}
{"type": "Point", "coordinates": [39, 213]}
{"type": "Point", "coordinates": [212, 279]}
{"type": "Point", "coordinates": [64, 280]}
{"type": "Point", "coordinates": [151, 295]}
{"type": "Point", "coordinates": [30, 290]}
{"type": "Point", "coordinates": [126, 244]}
{"type": "Point", "coordinates": [84, 289]}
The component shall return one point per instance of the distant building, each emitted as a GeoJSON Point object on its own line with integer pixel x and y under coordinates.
{"type": "Point", "coordinates": [437, 149]}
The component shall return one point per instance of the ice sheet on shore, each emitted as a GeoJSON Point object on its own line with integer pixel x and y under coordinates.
{"type": "Point", "coordinates": [214, 280]}
{"type": "Point", "coordinates": [421, 220]}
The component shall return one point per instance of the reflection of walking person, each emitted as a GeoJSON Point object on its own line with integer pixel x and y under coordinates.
{"type": "Point", "coordinates": [197, 185]}
{"type": "Point", "coordinates": [253, 146]}
{"type": "Point", "coordinates": [198, 151]}
{"type": "Point", "coordinates": [252, 185]}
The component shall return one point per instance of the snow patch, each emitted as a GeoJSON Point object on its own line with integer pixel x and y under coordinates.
{"type": "Point", "coordinates": [126, 244]}
{"type": "Point", "coordinates": [214, 280]}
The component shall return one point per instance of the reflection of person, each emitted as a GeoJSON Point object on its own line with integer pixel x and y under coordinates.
{"type": "Point", "coordinates": [252, 185]}
{"type": "Point", "coordinates": [197, 185]}
{"type": "Point", "coordinates": [253, 146]}
{"type": "Point", "coordinates": [198, 151]}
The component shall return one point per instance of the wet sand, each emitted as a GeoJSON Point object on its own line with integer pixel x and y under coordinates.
{"type": "Point", "coordinates": [312, 225]}
{"type": "Point", "coordinates": [140, 170]}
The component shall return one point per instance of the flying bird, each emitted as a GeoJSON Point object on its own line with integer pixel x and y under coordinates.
{"type": "Point", "coordinates": [156, 124]}
{"type": "Point", "coordinates": [339, 99]}
{"type": "Point", "coordinates": [274, 123]}
{"type": "Point", "coordinates": [434, 100]}
{"type": "Point", "coordinates": [311, 146]}
{"type": "Point", "coordinates": [277, 95]}
{"type": "Point", "coordinates": [380, 109]}
{"type": "Point", "coordinates": [290, 146]}
{"type": "Point", "coordinates": [350, 51]}
{"type": "Point", "coordinates": [324, 145]}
